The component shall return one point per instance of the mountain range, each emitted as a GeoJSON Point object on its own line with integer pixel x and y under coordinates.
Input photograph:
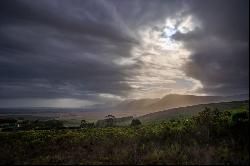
{"type": "Point", "coordinates": [144, 106]}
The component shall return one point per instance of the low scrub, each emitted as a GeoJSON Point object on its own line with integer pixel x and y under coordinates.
{"type": "Point", "coordinates": [212, 137]}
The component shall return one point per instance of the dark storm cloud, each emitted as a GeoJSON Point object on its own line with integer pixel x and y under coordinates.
{"type": "Point", "coordinates": [220, 48]}
{"type": "Point", "coordinates": [45, 45]}
{"type": "Point", "coordinates": [68, 49]}
{"type": "Point", "coordinates": [53, 49]}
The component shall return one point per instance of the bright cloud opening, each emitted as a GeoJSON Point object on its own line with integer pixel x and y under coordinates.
{"type": "Point", "coordinates": [161, 59]}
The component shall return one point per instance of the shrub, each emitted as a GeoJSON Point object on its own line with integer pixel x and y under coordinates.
{"type": "Point", "coordinates": [135, 122]}
{"type": "Point", "coordinates": [85, 124]}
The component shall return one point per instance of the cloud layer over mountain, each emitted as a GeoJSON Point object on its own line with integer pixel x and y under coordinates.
{"type": "Point", "coordinates": [104, 50]}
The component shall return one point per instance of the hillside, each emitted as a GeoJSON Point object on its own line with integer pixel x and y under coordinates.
{"type": "Point", "coordinates": [192, 110]}
{"type": "Point", "coordinates": [180, 112]}
{"type": "Point", "coordinates": [145, 106]}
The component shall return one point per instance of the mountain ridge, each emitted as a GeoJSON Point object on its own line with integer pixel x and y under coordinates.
{"type": "Point", "coordinates": [144, 106]}
{"type": "Point", "coordinates": [191, 110]}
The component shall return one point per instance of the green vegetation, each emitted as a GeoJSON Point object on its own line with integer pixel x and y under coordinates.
{"type": "Point", "coordinates": [85, 124]}
{"type": "Point", "coordinates": [189, 111]}
{"type": "Point", "coordinates": [49, 124]}
{"type": "Point", "coordinates": [7, 124]}
{"type": "Point", "coordinates": [123, 121]}
{"type": "Point", "coordinates": [135, 122]}
{"type": "Point", "coordinates": [7, 120]}
{"type": "Point", "coordinates": [210, 137]}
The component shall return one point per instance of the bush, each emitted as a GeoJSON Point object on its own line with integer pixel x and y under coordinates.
{"type": "Point", "coordinates": [135, 122]}
{"type": "Point", "coordinates": [240, 116]}
{"type": "Point", "coordinates": [178, 142]}
{"type": "Point", "coordinates": [85, 124]}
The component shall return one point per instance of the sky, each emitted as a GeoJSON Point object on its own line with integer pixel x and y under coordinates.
{"type": "Point", "coordinates": [77, 53]}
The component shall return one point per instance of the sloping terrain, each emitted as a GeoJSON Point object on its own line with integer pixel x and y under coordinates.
{"type": "Point", "coordinates": [191, 110]}
{"type": "Point", "coordinates": [144, 106]}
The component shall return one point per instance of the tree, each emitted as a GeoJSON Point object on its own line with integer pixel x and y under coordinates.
{"type": "Point", "coordinates": [239, 117]}
{"type": "Point", "coordinates": [110, 120]}
{"type": "Point", "coordinates": [7, 120]}
{"type": "Point", "coordinates": [204, 121]}
{"type": "Point", "coordinates": [85, 124]}
{"type": "Point", "coordinates": [53, 124]}
{"type": "Point", "coordinates": [135, 122]}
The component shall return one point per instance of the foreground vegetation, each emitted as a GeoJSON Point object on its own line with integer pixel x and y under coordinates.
{"type": "Point", "coordinates": [211, 137]}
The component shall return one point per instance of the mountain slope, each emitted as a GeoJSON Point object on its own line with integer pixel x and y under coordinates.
{"type": "Point", "coordinates": [191, 110]}
{"type": "Point", "coordinates": [144, 106]}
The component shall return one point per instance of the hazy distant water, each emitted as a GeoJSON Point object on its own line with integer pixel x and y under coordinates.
{"type": "Point", "coordinates": [44, 110]}
{"type": "Point", "coordinates": [57, 113]}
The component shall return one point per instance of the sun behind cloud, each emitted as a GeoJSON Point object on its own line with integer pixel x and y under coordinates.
{"type": "Point", "coordinates": [161, 58]}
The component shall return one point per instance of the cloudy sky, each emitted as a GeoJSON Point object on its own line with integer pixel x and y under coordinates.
{"type": "Point", "coordinates": [75, 53]}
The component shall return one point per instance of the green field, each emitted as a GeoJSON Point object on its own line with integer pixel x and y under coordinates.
{"type": "Point", "coordinates": [210, 137]}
